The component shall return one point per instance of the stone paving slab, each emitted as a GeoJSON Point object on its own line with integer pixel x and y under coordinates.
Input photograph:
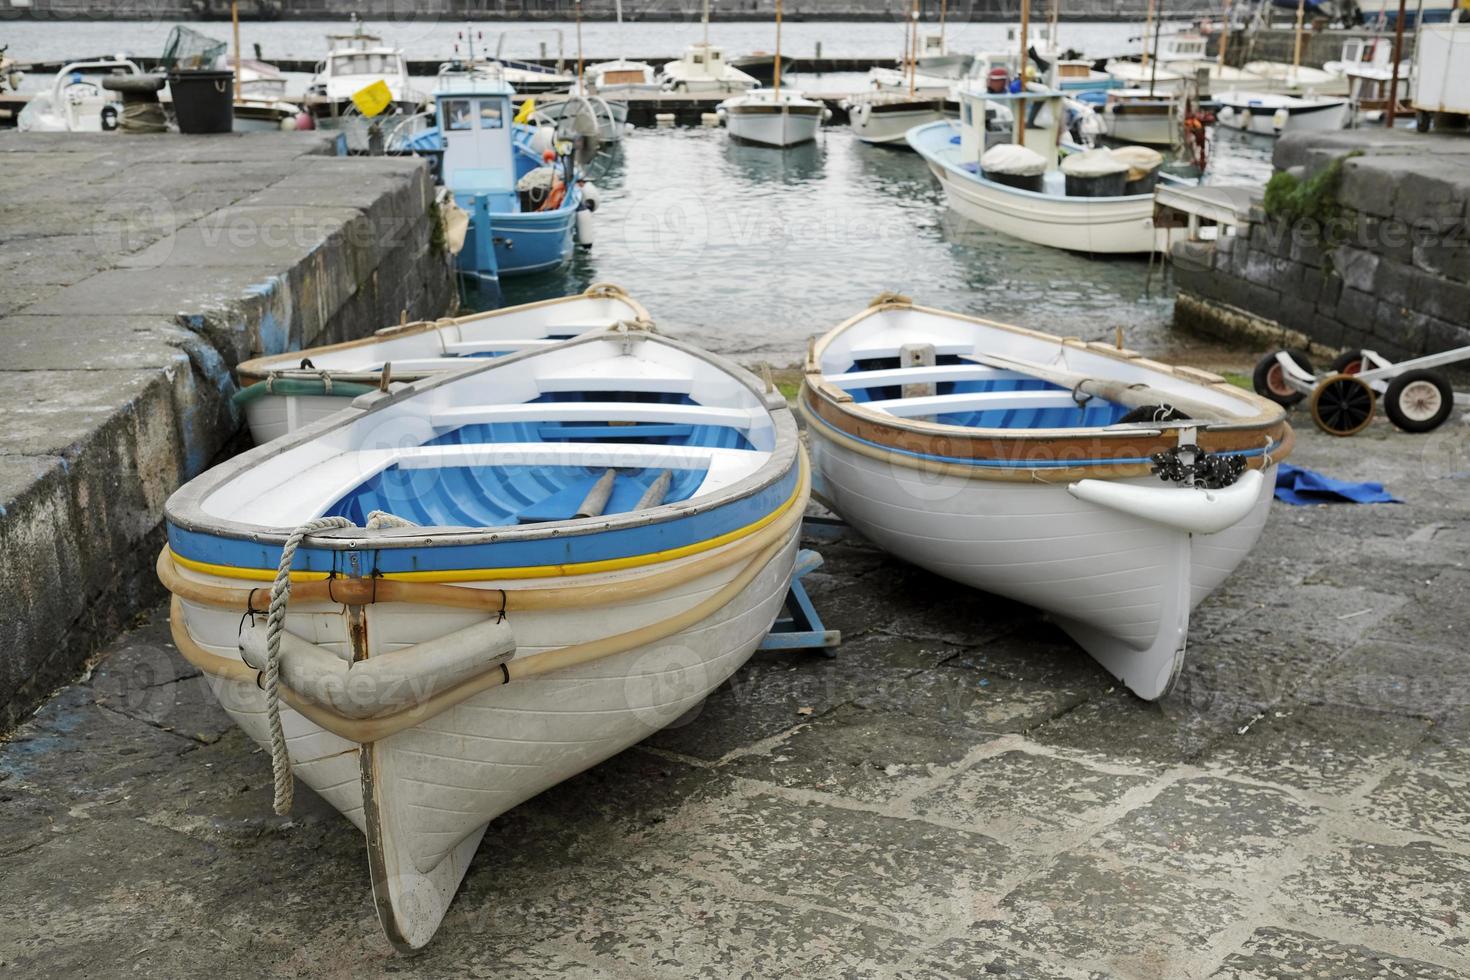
{"type": "Point", "coordinates": [960, 793]}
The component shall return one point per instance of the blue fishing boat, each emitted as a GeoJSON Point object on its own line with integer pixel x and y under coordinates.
{"type": "Point", "coordinates": [523, 202]}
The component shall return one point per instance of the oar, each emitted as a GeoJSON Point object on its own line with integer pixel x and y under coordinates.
{"type": "Point", "coordinates": [656, 492]}
{"type": "Point", "coordinates": [596, 500]}
{"type": "Point", "coordinates": [1131, 395]}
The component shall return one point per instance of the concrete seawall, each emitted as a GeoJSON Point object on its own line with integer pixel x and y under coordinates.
{"type": "Point", "coordinates": [1386, 265]}
{"type": "Point", "coordinates": [139, 272]}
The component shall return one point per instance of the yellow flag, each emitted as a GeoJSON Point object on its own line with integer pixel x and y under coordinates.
{"type": "Point", "coordinates": [527, 107]}
{"type": "Point", "coordinates": [373, 99]}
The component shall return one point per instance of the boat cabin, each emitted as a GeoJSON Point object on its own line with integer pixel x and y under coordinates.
{"type": "Point", "coordinates": [1183, 47]}
{"type": "Point", "coordinates": [983, 124]}
{"type": "Point", "coordinates": [476, 119]}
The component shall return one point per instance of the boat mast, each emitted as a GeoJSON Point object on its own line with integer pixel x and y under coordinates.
{"type": "Point", "coordinates": [706, 30]}
{"type": "Point", "coordinates": [1020, 109]}
{"type": "Point", "coordinates": [1148, 28]}
{"type": "Point", "coordinates": [1296, 55]}
{"type": "Point", "coordinates": [1056, 19]}
{"type": "Point", "coordinates": [914, 51]}
{"type": "Point", "coordinates": [1153, 63]}
{"type": "Point", "coordinates": [776, 70]}
{"type": "Point", "coordinates": [1224, 39]}
{"type": "Point", "coordinates": [1398, 52]}
{"type": "Point", "coordinates": [622, 45]}
{"type": "Point", "coordinates": [943, 16]}
{"type": "Point", "coordinates": [579, 46]}
{"type": "Point", "coordinates": [235, 25]}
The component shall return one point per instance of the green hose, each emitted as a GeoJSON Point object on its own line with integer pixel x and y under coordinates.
{"type": "Point", "coordinates": [299, 386]}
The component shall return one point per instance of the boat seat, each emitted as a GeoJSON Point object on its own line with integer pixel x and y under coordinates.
{"type": "Point", "coordinates": [642, 431]}
{"type": "Point", "coordinates": [882, 378]}
{"type": "Point", "coordinates": [973, 401]}
{"type": "Point", "coordinates": [473, 348]}
{"type": "Point", "coordinates": [892, 351]}
{"type": "Point", "coordinates": [596, 412]}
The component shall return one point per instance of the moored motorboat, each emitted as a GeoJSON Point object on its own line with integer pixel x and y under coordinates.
{"type": "Point", "coordinates": [1271, 114]}
{"type": "Point", "coordinates": [281, 393]}
{"type": "Point", "coordinates": [603, 532]}
{"type": "Point", "coordinates": [1029, 466]}
{"type": "Point", "coordinates": [884, 118]}
{"type": "Point", "coordinates": [775, 116]}
{"type": "Point", "coordinates": [1042, 208]}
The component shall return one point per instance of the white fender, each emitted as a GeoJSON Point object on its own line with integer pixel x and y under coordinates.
{"type": "Point", "coordinates": [1191, 509]}
{"type": "Point", "coordinates": [584, 228]}
{"type": "Point", "coordinates": [388, 682]}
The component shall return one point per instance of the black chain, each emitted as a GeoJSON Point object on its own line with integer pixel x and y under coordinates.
{"type": "Point", "coordinates": [1209, 470]}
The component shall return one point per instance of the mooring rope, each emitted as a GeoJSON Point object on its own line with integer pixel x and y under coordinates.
{"type": "Point", "coordinates": [274, 625]}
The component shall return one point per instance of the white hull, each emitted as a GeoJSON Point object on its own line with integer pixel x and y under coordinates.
{"type": "Point", "coordinates": [1272, 115]}
{"type": "Point", "coordinates": [773, 128]}
{"type": "Point", "coordinates": [704, 85]}
{"type": "Point", "coordinates": [1148, 130]}
{"type": "Point", "coordinates": [1101, 226]}
{"type": "Point", "coordinates": [872, 125]}
{"type": "Point", "coordinates": [1121, 586]}
{"type": "Point", "coordinates": [429, 790]}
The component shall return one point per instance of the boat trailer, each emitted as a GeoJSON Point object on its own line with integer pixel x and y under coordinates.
{"type": "Point", "coordinates": [1416, 398]}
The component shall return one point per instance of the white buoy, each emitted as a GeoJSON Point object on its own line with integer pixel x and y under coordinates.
{"type": "Point", "coordinates": [584, 228]}
{"type": "Point", "coordinates": [664, 119]}
{"type": "Point", "coordinates": [710, 119]}
{"type": "Point", "coordinates": [591, 194]}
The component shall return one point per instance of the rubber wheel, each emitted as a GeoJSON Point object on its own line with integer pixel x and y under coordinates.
{"type": "Point", "coordinates": [1418, 401]}
{"type": "Point", "coordinates": [1270, 381]}
{"type": "Point", "coordinates": [1342, 404]}
{"type": "Point", "coordinates": [1348, 362]}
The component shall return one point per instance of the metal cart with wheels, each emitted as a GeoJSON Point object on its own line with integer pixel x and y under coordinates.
{"type": "Point", "coordinates": [1415, 397]}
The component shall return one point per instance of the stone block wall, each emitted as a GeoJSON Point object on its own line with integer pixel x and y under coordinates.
{"type": "Point", "coordinates": [1391, 272]}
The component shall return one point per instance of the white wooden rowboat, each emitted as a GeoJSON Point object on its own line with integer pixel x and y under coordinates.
{"type": "Point", "coordinates": [283, 392]}
{"type": "Point", "coordinates": [601, 533]}
{"type": "Point", "coordinates": [1009, 460]}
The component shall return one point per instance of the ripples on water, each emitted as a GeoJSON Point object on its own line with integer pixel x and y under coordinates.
{"type": "Point", "coordinates": [749, 251]}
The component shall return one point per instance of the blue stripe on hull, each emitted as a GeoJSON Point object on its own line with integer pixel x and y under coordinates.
{"type": "Point", "coordinates": [566, 549]}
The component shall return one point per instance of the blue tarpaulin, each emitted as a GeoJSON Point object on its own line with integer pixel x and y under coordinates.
{"type": "Point", "coordinates": [1298, 486]}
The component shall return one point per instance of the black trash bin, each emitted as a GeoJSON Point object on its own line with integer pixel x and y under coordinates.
{"type": "Point", "coordinates": [204, 100]}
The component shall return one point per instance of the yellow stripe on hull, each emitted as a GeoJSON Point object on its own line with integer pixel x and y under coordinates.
{"type": "Point", "coordinates": [529, 571]}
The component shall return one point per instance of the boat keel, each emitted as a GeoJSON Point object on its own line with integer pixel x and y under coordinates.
{"type": "Point", "coordinates": [411, 904]}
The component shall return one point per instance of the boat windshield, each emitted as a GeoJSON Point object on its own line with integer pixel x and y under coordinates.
{"type": "Point", "coordinates": [366, 63]}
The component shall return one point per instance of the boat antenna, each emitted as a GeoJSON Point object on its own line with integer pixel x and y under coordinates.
{"type": "Point", "coordinates": [776, 71]}
{"type": "Point", "coordinates": [235, 26]}
{"type": "Point", "coordinates": [914, 51]}
{"type": "Point", "coordinates": [1398, 52]}
{"type": "Point", "coordinates": [706, 26]}
{"type": "Point", "coordinates": [943, 17]}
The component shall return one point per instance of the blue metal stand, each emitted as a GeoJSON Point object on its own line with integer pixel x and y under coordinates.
{"type": "Point", "coordinates": [799, 627]}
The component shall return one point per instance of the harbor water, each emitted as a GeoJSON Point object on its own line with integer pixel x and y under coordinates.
{"type": "Point", "coordinates": [749, 250]}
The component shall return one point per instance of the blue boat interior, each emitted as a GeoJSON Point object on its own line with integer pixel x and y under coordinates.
{"type": "Point", "coordinates": [1094, 413]}
{"type": "Point", "coordinates": [498, 496]}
